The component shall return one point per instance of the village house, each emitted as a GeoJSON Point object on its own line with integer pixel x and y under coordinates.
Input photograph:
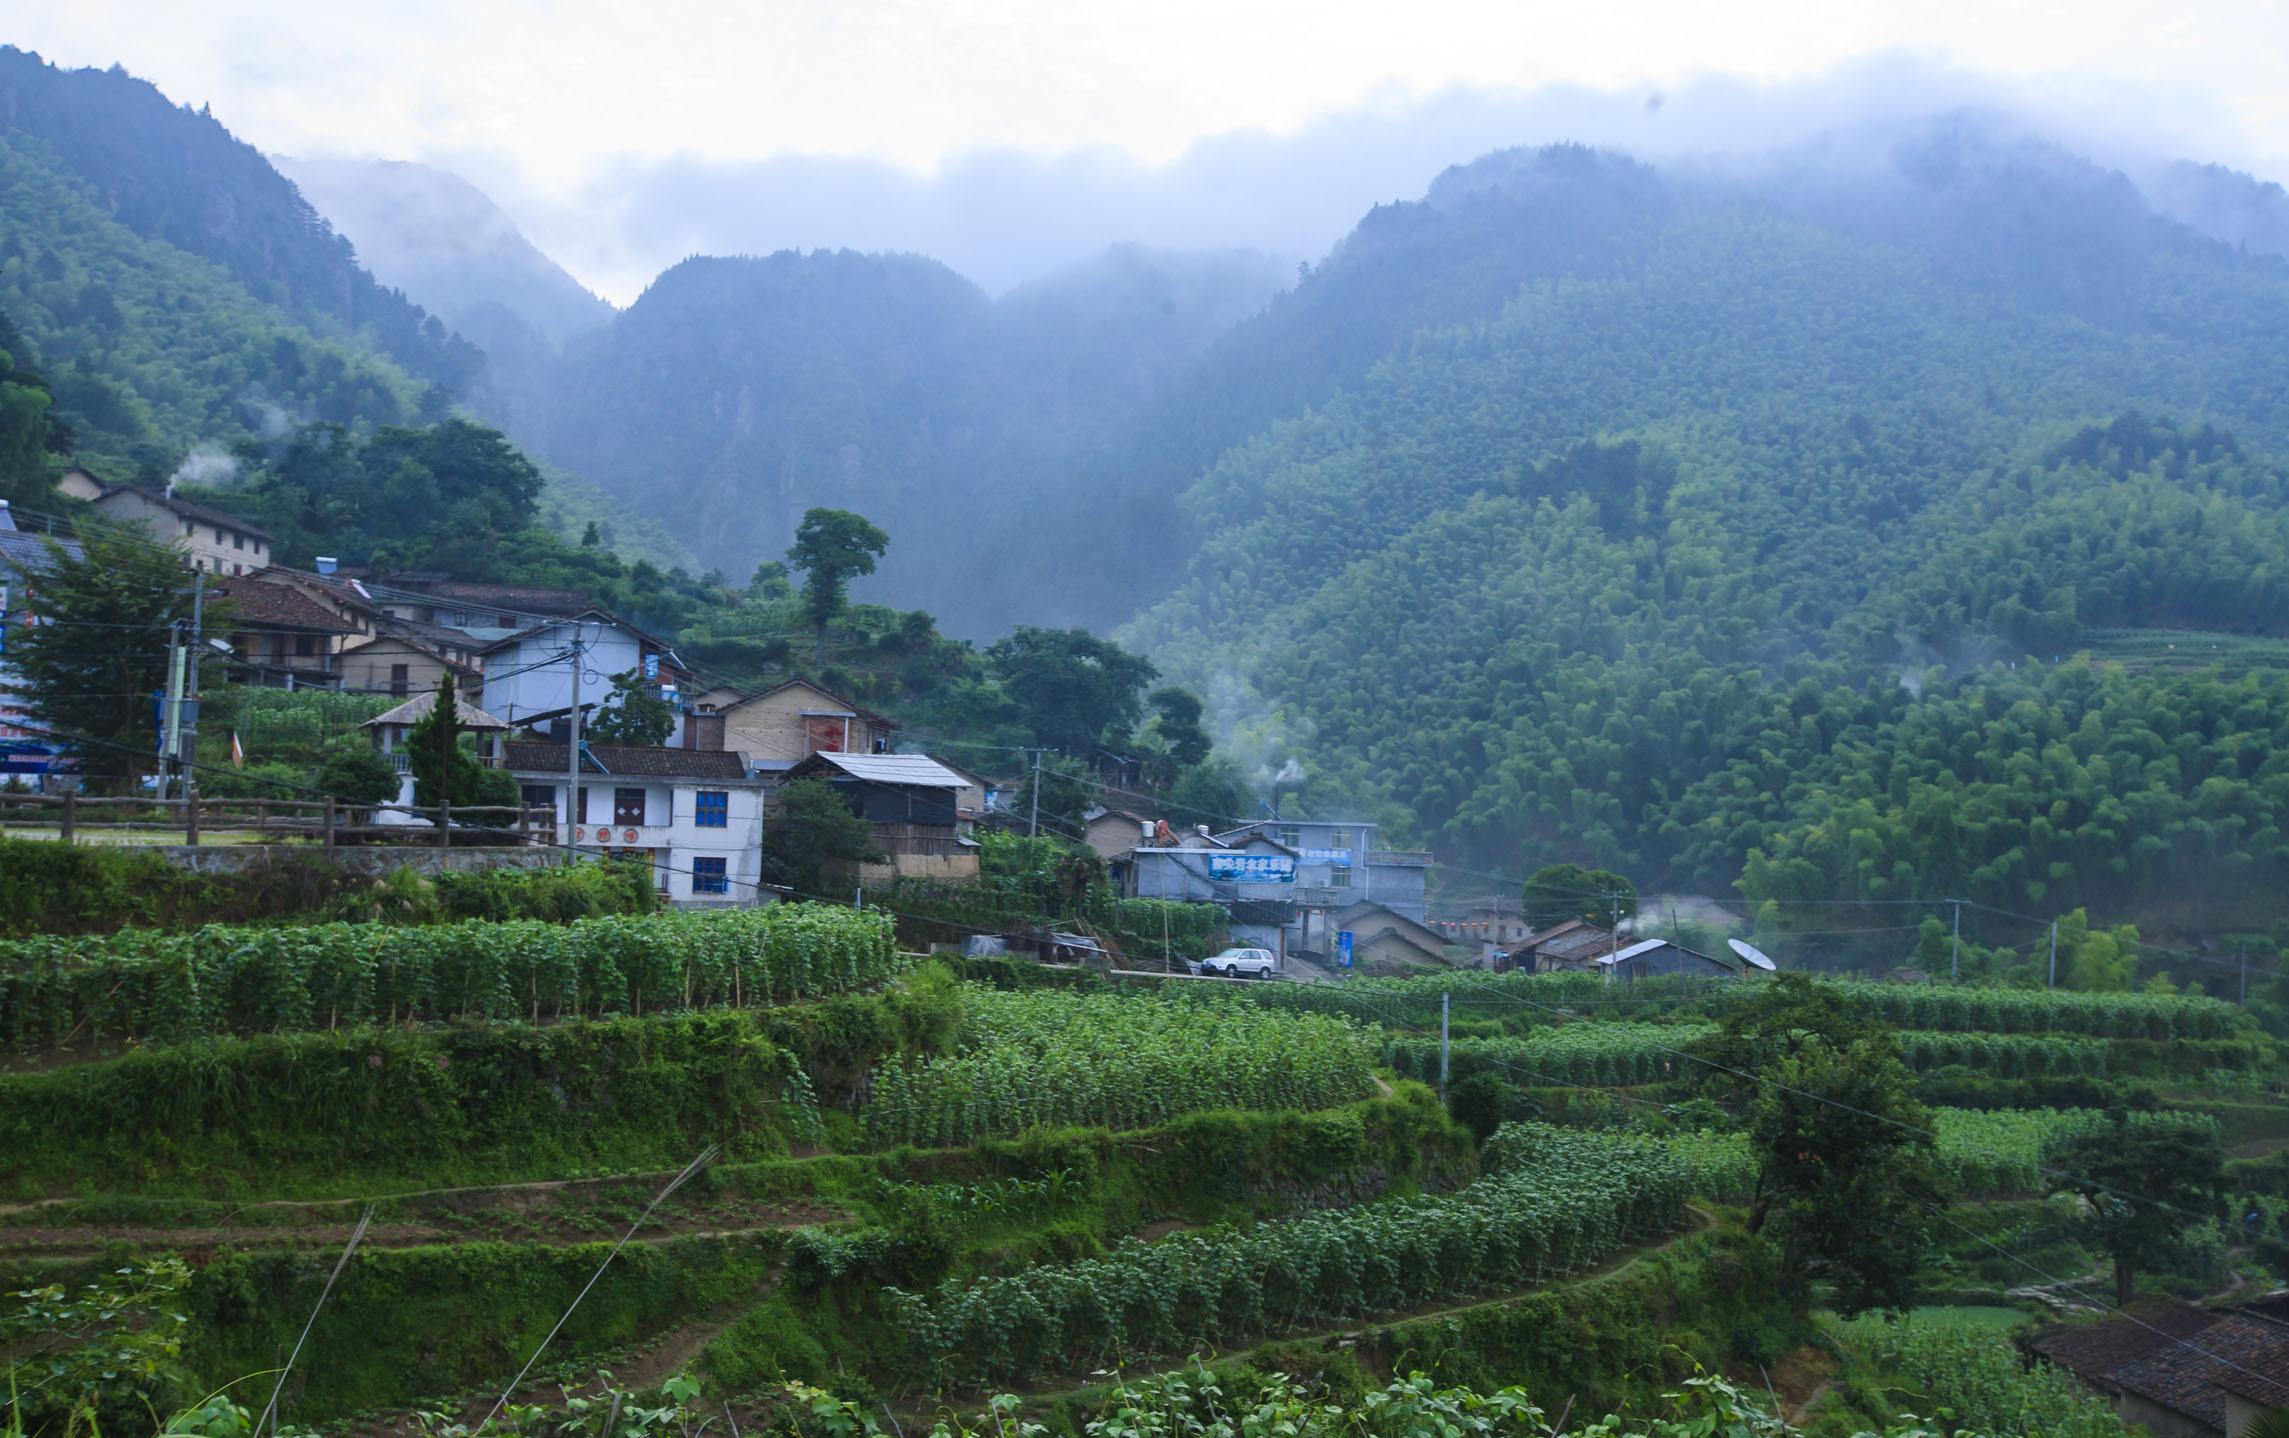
{"type": "Point", "coordinates": [1656, 958]}
{"type": "Point", "coordinates": [1491, 925]}
{"type": "Point", "coordinates": [388, 731]}
{"type": "Point", "coordinates": [1383, 940]}
{"type": "Point", "coordinates": [693, 814]}
{"type": "Point", "coordinates": [776, 728]}
{"type": "Point", "coordinates": [211, 540]}
{"type": "Point", "coordinates": [1573, 944]}
{"type": "Point", "coordinates": [2180, 1371]}
{"type": "Point", "coordinates": [529, 673]}
{"type": "Point", "coordinates": [484, 611]}
{"type": "Point", "coordinates": [80, 484]}
{"type": "Point", "coordinates": [280, 636]}
{"type": "Point", "coordinates": [1337, 864]}
{"type": "Point", "coordinates": [1251, 874]}
{"type": "Point", "coordinates": [1112, 833]}
{"type": "Point", "coordinates": [912, 802]}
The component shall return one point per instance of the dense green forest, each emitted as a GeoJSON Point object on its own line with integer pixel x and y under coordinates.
{"type": "Point", "coordinates": [1771, 549]}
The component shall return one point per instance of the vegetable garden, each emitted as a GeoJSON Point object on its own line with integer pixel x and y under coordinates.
{"type": "Point", "coordinates": [150, 985]}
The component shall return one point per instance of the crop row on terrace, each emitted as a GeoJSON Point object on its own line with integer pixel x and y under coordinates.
{"type": "Point", "coordinates": [1990, 1154]}
{"type": "Point", "coordinates": [1625, 1053]}
{"type": "Point", "coordinates": [151, 985]}
{"type": "Point", "coordinates": [1546, 998]}
{"type": "Point", "coordinates": [1564, 1200]}
{"type": "Point", "coordinates": [1039, 1058]}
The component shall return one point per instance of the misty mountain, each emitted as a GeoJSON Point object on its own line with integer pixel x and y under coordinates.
{"type": "Point", "coordinates": [736, 393]}
{"type": "Point", "coordinates": [451, 250]}
{"type": "Point", "coordinates": [176, 176]}
{"type": "Point", "coordinates": [2224, 204]}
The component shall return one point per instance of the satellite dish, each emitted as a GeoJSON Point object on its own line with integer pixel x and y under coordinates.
{"type": "Point", "coordinates": [1753, 955]}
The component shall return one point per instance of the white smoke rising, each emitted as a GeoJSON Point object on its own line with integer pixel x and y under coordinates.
{"type": "Point", "coordinates": [204, 465]}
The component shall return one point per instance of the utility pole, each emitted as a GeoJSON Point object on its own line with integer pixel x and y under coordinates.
{"type": "Point", "coordinates": [171, 710]}
{"type": "Point", "coordinates": [189, 735]}
{"type": "Point", "coordinates": [1033, 823]}
{"type": "Point", "coordinates": [2054, 981]}
{"type": "Point", "coordinates": [572, 807]}
{"type": "Point", "coordinates": [1443, 999]}
{"type": "Point", "coordinates": [1955, 944]}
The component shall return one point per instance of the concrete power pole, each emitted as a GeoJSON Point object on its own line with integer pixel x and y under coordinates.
{"type": "Point", "coordinates": [2054, 980]}
{"type": "Point", "coordinates": [1033, 822]}
{"type": "Point", "coordinates": [572, 809]}
{"type": "Point", "coordinates": [189, 735]}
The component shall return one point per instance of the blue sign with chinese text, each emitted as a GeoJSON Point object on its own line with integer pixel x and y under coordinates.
{"type": "Point", "coordinates": [1343, 947]}
{"type": "Point", "coordinates": [1252, 868]}
{"type": "Point", "coordinates": [1326, 856]}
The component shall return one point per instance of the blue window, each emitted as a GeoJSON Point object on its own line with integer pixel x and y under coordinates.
{"type": "Point", "coordinates": [713, 809]}
{"type": "Point", "coordinates": [707, 877]}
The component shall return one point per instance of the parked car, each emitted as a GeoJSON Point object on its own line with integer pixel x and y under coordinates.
{"type": "Point", "coordinates": [1242, 964]}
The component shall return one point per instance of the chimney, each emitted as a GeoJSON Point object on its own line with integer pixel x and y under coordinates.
{"type": "Point", "coordinates": [327, 564]}
{"type": "Point", "coordinates": [1146, 825]}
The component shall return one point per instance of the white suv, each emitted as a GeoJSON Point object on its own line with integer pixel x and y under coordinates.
{"type": "Point", "coordinates": [1242, 964]}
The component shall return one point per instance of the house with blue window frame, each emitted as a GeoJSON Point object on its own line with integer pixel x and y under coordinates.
{"type": "Point", "coordinates": [695, 814]}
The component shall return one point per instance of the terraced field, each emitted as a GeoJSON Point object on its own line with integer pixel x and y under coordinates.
{"type": "Point", "coordinates": [919, 1187]}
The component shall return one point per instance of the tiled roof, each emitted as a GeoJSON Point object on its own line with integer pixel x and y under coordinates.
{"type": "Point", "coordinates": [28, 553]}
{"type": "Point", "coordinates": [422, 705]}
{"type": "Point", "coordinates": [268, 604]}
{"type": "Point", "coordinates": [629, 761]}
{"type": "Point", "coordinates": [912, 770]}
{"type": "Point", "coordinates": [2240, 1352]}
{"type": "Point", "coordinates": [2093, 1352]}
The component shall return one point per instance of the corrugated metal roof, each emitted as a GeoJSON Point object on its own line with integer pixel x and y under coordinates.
{"type": "Point", "coordinates": [911, 769]}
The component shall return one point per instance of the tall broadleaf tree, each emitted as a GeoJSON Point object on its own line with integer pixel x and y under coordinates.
{"type": "Point", "coordinates": [832, 547]}
{"type": "Point", "coordinates": [98, 650]}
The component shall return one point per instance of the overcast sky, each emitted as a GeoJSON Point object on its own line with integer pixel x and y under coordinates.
{"type": "Point", "coordinates": [584, 116]}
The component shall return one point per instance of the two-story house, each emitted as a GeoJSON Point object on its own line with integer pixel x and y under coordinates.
{"type": "Point", "coordinates": [1253, 877]}
{"type": "Point", "coordinates": [694, 814]}
{"type": "Point", "coordinates": [280, 636]}
{"type": "Point", "coordinates": [1338, 865]}
{"type": "Point", "coordinates": [530, 674]}
{"type": "Point", "coordinates": [913, 803]}
{"type": "Point", "coordinates": [211, 540]}
{"type": "Point", "coordinates": [776, 728]}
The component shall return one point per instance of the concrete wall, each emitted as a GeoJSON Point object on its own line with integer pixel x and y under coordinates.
{"type": "Point", "coordinates": [369, 665]}
{"type": "Point", "coordinates": [2162, 1422]}
{"type": "Point", "coordinates": [218, 551]}
{"type": "Point", "coordinates": [770, 729]}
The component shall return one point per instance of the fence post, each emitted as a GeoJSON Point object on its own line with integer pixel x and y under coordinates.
{"type": "Point", "coordinates": [191, 818]}
{"type": "Point", "coordinates": [329, 821]}
{"type": "Point", "coordinates": [71, 813]}
{"type": "Point", "coordinates": [445, 825]}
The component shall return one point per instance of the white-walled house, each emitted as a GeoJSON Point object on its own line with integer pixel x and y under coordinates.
{"type": "Point", "coordinates": [693, 813]}
{"type": "Point", "coordinates": [529, 674]}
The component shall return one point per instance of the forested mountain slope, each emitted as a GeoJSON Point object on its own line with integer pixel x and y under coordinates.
{"type": "Point", "coordinates": [153, 351]}
{"type": "Point", "coordinates": [177, 176]}
{"type": "Point", "coordinates": [736, 393]}
{"type": "Point", "coordinates": [1655, 568]}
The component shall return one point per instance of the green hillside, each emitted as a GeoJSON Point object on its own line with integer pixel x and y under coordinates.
{"type": "Point", "coordinates": [1733, 548]}
{"type": "Point", "coordinates": [153, 351]}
